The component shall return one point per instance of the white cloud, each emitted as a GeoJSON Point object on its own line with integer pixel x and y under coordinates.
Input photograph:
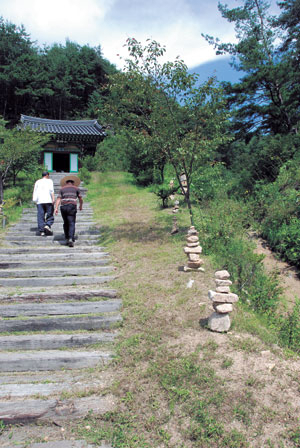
{"type": "Point", "coordinates": [55, 20]}
{"type": "Point", "coordinates": [177, 24]}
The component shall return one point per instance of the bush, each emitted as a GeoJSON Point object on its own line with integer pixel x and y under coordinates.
{"type": "Point", "coordinates": [85, 175]}
{"type": "Point", "coordinates": [222, 228]}
{"type": "Point", "coordinates": [277, 208]}
{"type": "Point", "coordinates": [111, 154]}
{"type": "Point", "coordinates": [210, 182]}
{"type": "Point", "coordinates": [290, 328]}
{"type": "Point", "coordinates": [164, 191]}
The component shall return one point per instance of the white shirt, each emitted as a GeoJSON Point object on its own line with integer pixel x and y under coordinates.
{"type": "Point", "coordinates": [43, 189]}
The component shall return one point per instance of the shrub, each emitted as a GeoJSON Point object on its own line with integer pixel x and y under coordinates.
{"type": "Point", "coordinates": [222, 228]}
{"type": "Point", "coordinates": [85, 175]}
{"type": "Point", "coordinates": [289, 332]}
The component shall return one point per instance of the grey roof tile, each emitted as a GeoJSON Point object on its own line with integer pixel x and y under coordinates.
{"type": "Point", "coordinates": [71, 127]}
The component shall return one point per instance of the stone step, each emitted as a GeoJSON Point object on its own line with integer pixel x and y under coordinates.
{"type": "Point", "coordinates": [59, 309]}
{"type": "Point", "coordinates": [53, 272]}
{"type": "Point", "coordinates": [46, 263]}
{"type": "Point", "coordinates": [33, 212]}
{"type": "Point", "coordinates": [60, 323]}
{"type": "Point", "coordinates": [86, 207]}
{"type": "Point", "coordinates": [88, 216]}
{"type": "Point", "coordinates": [49, 281]}
{"type": "Point", "coordinates": [19, 236]}
{"type": "Point", "coordinates": [58, 293]}
{"type": "Point", "coordinates": [52, 360]}
{"type": "Point", "coordinates": [56, 228]}
{"type": "Point", "coordinates": [41, 242]}
{"type": "Point", "coordinates": [59, 250]}
{"type": "Point", "coordinates": [20, 411]}
{"type": "Point", "coordinates": [54, 341]}
{"type": "Point", "coordinates": [45, 257]}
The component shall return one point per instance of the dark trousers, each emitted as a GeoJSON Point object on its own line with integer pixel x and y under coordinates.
{"type": "Point", "coordinates": [68, 213]}
{"type": "Point", "coordinates": [45, 215]}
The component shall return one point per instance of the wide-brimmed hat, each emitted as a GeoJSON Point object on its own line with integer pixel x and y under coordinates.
{"type": "Point", "coordinates": [75, 179]}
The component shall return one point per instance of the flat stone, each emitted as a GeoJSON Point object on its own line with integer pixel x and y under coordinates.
{"type": "Point", "coordinates": [188, 269]}
{"type": "Point", "coordinates": [192, 239]}
{"type": "Point", "coordinates": [219, 322]}
{"type": "Point", "coordinates": [225, 289]}
{"type": "Point", "coordinates": [194, 257]}
{"type": "Point", "coordinates": [222, 298]}
{"type": "Point", "coordinates": [192, 244]}
{"type": "Point", "coordinates": [222, 275]}
{"type": "Point", "coordinates": [223, 307]}
{"type": "Point", "coordinates": [195, 264]}
{"type": "Point", "coordinates": [193, 250]}
{"type": "Point", "coordinates": [223, 282]}
{"type": "Point", "coordinates": [192, 233]}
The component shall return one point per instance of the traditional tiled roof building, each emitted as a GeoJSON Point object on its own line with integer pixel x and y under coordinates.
{"type": "Point", "coordinates": [69, 140]}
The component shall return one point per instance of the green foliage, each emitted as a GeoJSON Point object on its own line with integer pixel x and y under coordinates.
{"type": "Point", "coordinates": [222, 227]}
{"type": "Point", "coordinates": [267, 97]}
{"type": "Point", "coordinates": [112, 153]}
{"type": "Point", "coordinates": [210, 182]}
{"type": "Point", "coordinates": [171, 117]}
{"type": "Point", "coordinates": [164, 191]}
{"type": "Point", "coordinates": [259, 160]}
{"type": "Point", "coordinates": [85, 175]}
{"type": "Point", "coordinates": [19, 150]}
{"type": "Point", "coordinates": [55, 81]}
{"type": "Point", "coordinates": [2, 427]}
{"type": "Point", "coordinates": [290, 328]}
{"type": "Point", "coordinates": [276, 206]}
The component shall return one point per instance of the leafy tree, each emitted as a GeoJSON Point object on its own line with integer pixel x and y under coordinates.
{"type": "Point", "coordinates": [54, 82]}
{"type": "Point", "coordinates": [18, 67]}
{"type": "Point", "coordinates": [265, 97]}
{"type": "Point", "coordinates": [19, 150]}
{"type": "Point", "coordinates": [71, 74]}
{"type": "Point", "coordinates": [170, 116]}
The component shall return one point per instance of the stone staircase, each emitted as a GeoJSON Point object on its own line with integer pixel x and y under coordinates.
{"type": "Point", "coordinates": [58, 322]}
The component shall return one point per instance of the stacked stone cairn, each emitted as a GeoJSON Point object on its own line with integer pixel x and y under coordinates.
{"type": "Point", "coordinates": [193, 251]}
{"type": "Point", "coordinates": [222, 300]}
{"type": "Point", "coordinates": [176, 207]}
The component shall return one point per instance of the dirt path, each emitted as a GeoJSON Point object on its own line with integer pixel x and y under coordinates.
{"type": "Point", "coordinates": [289, 275]}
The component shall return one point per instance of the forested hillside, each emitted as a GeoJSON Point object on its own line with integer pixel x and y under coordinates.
{"type": "Point", "coordinates": [53, 82]}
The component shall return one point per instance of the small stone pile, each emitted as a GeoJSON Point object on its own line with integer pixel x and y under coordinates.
{"type": "Point", "coordinates": [222, 300]}
{"type": "Point", "coordinates": [193, 251]}
{"type": "Point", "coordinates": [175, 226]}
{"type": "Point", "coordinates": [176, 207]}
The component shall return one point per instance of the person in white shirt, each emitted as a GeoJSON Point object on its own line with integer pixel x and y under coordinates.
{"type": "Point", "coordinates": [43, 196]}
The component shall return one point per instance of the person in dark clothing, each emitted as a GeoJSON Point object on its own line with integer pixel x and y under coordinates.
{"type": "Point", "coordinates": [67, 199]}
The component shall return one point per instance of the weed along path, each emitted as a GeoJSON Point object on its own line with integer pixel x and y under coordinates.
{"type": "Point", "coordinates": [58, 322]}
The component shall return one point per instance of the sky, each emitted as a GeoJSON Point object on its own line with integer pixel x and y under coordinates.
{"type": "Point", "coordinates": [176, 24]}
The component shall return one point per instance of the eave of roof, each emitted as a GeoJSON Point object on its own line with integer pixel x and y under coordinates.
{"type": "Point", "coordinates": [65, 127]}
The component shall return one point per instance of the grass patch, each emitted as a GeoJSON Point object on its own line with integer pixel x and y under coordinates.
{"type": "Point", "coordinates": [175, 384]}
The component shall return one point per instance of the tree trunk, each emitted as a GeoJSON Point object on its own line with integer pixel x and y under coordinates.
{"type": "Point", "coordinates": [1, 188]}
{"type": "Point", "coordinates": [188, 201]}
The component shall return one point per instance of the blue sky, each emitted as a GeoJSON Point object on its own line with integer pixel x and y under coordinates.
{"type": "Point", "coordinates": [177, 24]}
